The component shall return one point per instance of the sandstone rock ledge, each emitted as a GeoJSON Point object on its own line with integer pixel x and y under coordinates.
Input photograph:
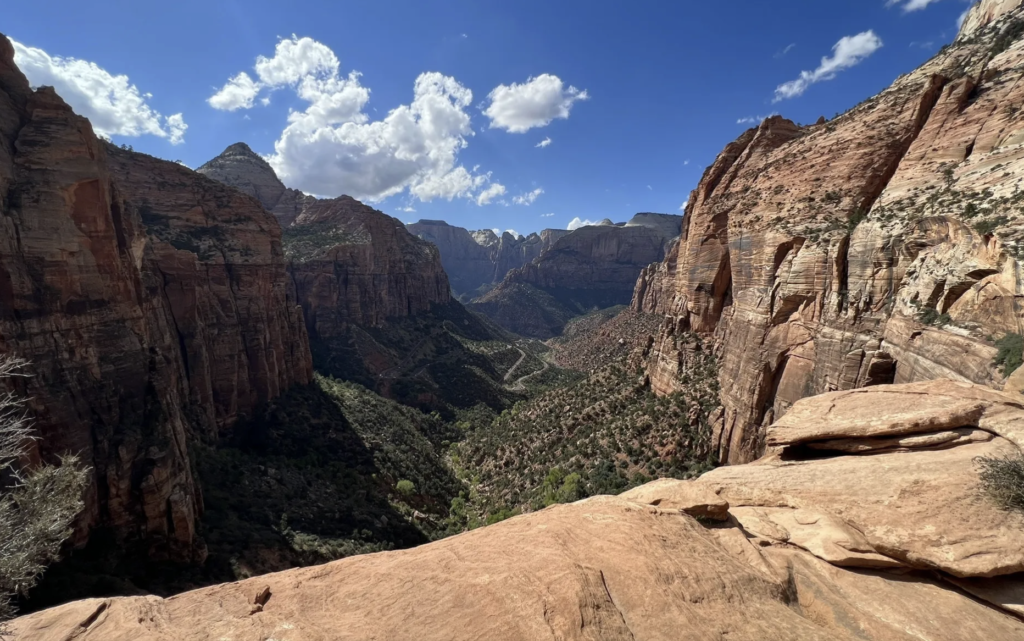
{"type": "Point", "coordinates": [866, 521]}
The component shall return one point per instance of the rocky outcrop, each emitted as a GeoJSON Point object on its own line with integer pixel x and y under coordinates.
{"type": "Point", "coordinates": [351, 263]}
{"type": "Point", "coordinates": [984, 13]}
{"type": "Point", "coordinates": [879, 247]}
{"type": "Point", "coordinates": [354, 264]}
{"type": "Point", "coordinates": [477, 259]}
{"type": "Point", "coordinates": [152, 302]}
{"type": "Point", "coordinates": [512, 252]}
{"type": "Point", "coordinates": [243, 169]}
{"type": "Point", "coordinates": [599, 262]}
{"type": "Point", "coordinates": [668, 224]}
{"type": "Point", "coordinates": [466, 257]}
{"type": "Point", "coordinates": [593, 267]}
{"type": "Point", "coordinates": [896, 544]}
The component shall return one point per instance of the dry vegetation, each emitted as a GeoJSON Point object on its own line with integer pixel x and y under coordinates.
{"type": "Point", "coordinates": [37, 506]}
{"type": "Point", "coordinates": [602, 435]}
{"type": "Point", "coordinates": [602, 337]}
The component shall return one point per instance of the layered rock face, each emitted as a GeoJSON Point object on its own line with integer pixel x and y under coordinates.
{"type": "Point", "coordinates": [589, 268]}
{"type": "Point", "coordinates": [887, 537]}
{"type": "Point", "coordinates": [476, 259]}
{"type": "Point", "coordinates": [466, 256]}
{"type": "Point", "coordinates": [600, 262]}
{"type": "Point", "coordinates": [243, 169]}
{"type": "Point", "coordinates": [152, 302]}
{"type": "Point", "coordinates": [351, 263]}
{"type": "Point", "coordinates": [985, 13]}
{"type": "Point", "coordinates": [511, 252]}
{"type": "Point", "coordinates": [354, 264]}
{"type": "Point", "coordinates": [879, 247]}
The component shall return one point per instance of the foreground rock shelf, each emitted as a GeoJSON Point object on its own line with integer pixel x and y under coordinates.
{"type": "Point", "coordinates": [896, 541]}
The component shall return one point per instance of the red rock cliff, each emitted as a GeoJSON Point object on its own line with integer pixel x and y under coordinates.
{"type": "Point", "coordinates": [881, 246]}
{"type": "Point", "coordinates": [350, 262]}
{"type": "Point", "coordinates": [153, 304]}
{"type": "Point", "coordinates": [354, 264]}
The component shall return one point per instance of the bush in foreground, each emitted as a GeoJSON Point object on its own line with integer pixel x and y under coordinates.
{"type": "Point", "coordinates": [1011, 353]}
{"type": "Point", "coordinates": [1003, 480]}
{"type": "Point", "coordinates": [37, 507]}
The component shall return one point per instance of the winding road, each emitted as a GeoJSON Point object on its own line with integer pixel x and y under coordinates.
{"type": "Point", "coordinates": [519, 384]}
{"type": "Point", "coordinates": [510, 372]}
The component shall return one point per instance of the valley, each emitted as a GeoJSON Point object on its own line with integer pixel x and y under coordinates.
{"type": "Point", "coordinates": [792, 412]}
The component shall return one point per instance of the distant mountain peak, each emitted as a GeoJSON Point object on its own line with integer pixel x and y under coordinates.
{"type": "Point", "coordinates": [245, 170]}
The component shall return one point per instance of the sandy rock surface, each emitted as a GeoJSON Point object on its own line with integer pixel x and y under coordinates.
{"type": "Point", "coordinates": [894, 546]}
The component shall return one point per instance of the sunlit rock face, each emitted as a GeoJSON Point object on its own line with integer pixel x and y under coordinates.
{"type": "Point", "coordinates": [592, 267]}
{"type": "Point", "coordinates": [351, 264]}
{"type": "Point", "coordinates": [881, 246]}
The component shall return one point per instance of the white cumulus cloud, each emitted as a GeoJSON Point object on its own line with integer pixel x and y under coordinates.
{"type": "Point", "coordinates": [514, 233]}
{"type": "Point", "coordinates": [489, 194]}
{"type": "Point", "coordinates": [333, 147]}
{"type": "Point", "coordinates": [176, 128]}
{"type": "Point", "coordinates": [529, 197]}
{"type": "Point", "coordinates": [544, 143]}
{"type": "Point", "coordinates": [755, 120]}
{"type": "Point", "coordinates": [113, 105]}
{"type": "Point", "coordinates": [578, 222]}
{"type": "Point", "coordinates": [683, 206]}
{"type": "Point", "coordinates": [546, 215]}
{"type": "Point", "coordinates": [238, 93]}
{"type": "Point", "coordinates": [848, 52]}
{"type": "Point", "coordinates": [910, 5]}
{"type": "Point", "coordinates": [517, 108]}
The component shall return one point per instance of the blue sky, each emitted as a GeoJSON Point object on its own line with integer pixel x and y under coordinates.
{"type": "Point", "coordinates": [450, 104]}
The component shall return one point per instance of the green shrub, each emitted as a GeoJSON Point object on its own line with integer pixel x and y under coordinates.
{"type": "Point", "coordinates": [855, 219]}
{"type": "Point", "coordinates": [501, 515]}
{"type": "Point", "coordinates": [1010, 34]}
{"type": "Point", "coordinates": [987, 227]}
{"type": "Point", "coordinates": [1003, 480]}
{"type": "Point", "coordinates": [405, 488]}
{"type": "Point", "coordinates": [931, 316]}
{"type": "Point", "coordinates": [1011, 353]}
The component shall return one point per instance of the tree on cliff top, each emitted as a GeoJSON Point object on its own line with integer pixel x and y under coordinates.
{"type": "Point", "coordinates": [37, 506]}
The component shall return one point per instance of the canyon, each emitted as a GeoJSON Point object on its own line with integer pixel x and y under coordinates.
{"type": "Point", "coordinates": [350, 263]}
{"type": "Point", "coordinates": [880, 246]}
{"type": "Point", "coordinates": [376, 299]}
{"type": "Point", "coordinates": [153, 304]}
{"type": "Point", "coordinates": [477, 260]}
{"type": "Point", "coordinates": [593, 267]}
{"type": "Point", "coordinates": [812, 359]}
